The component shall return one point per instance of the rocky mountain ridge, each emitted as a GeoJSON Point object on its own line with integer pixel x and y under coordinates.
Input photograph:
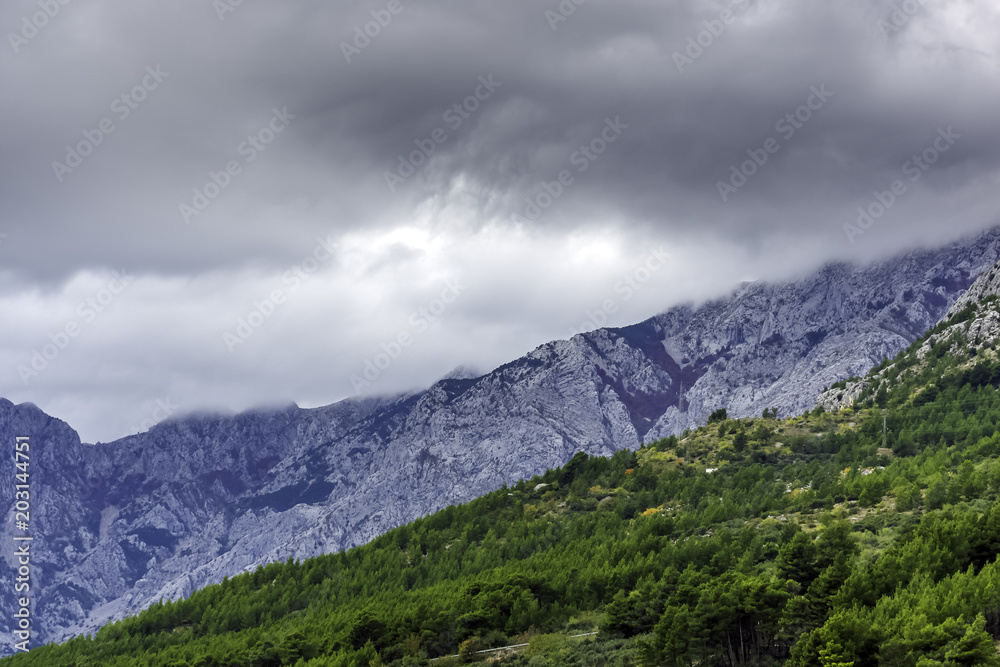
{"type": "Point", "coordinates": [194, 499]}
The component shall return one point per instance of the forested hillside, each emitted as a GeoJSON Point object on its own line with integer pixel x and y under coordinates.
{"type": "Point", "coordinates": [868, 536]}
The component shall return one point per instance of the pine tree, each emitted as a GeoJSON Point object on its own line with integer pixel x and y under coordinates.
{"type": "Point", "coordinates": [797, 560]}
{"type": "Point", "coordinates": [833, 655]}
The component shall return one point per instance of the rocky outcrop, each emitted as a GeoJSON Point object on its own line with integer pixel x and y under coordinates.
{"type": "Point", "coordinates": [988, 284]}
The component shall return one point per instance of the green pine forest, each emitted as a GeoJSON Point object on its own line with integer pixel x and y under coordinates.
{"type": "Point", "coordinates": [869, 536]}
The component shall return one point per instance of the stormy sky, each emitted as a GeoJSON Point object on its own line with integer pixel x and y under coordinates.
{"type": "Point", "coordinates": [219, 205]}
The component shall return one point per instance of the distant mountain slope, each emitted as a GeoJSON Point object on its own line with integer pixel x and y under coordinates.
{"type": "Point", "coordinates": [193, 500]}
{"type": "Point", "coordinates": [866, 537]}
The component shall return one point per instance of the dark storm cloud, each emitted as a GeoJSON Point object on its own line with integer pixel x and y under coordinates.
{"type": "Point", "coordinates": [559, 82]}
